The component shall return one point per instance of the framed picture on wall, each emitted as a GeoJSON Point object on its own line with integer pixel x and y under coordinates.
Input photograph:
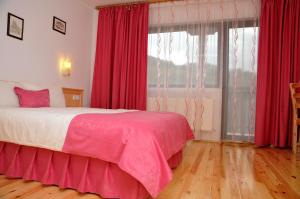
{"type": "Point", "coordinates": [15, 26]}
{"type": "Point", "coordinates": [59, 25]}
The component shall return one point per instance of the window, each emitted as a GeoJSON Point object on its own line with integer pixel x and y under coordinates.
{"type": "Point", "coordinates": [199, 56]}
{"type": "Point", "coordinates": [182, 54]}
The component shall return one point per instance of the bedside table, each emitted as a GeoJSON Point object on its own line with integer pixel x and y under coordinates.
{"type": "Point", "coordinates": [73, 97]}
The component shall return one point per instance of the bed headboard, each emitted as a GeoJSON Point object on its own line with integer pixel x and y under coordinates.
{"type": "Point", "coordinates": [73, 97]}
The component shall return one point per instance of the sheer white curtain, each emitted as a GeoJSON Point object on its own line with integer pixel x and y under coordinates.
{"type": "Point", "coordinates": [202, 54]}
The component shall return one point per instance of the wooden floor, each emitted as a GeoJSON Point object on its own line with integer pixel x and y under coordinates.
{"type": "Point", "coordinates": [208, 170]}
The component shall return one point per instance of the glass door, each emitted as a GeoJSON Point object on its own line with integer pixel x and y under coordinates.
{"type": "Point", "coordinates": [239, 82]}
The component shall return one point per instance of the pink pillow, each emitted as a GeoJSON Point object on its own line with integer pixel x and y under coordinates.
{"type": "Point", "coordinates": [33, 99]}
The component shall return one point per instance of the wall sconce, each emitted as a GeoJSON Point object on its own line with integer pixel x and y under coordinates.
{"type": "Point", "coordinates": [65, 67]}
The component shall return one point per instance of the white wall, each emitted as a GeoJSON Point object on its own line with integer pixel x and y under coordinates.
{"type": "Point", "coordinates": [36, 58]}
{"type": "Point", "coordinates": [94, 45]}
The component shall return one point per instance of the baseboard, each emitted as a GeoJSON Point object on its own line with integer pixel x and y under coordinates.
{"type": "Point", "coordinates": [226, 142]}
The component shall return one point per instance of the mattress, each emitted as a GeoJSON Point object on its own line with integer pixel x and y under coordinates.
{"type": "Point", "coordinates": [41, 127]}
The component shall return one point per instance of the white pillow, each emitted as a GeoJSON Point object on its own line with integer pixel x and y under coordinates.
{"type": "Point", "coordinates": [57, 98]}
{"type": "Point", "coordinates": [7, 95]}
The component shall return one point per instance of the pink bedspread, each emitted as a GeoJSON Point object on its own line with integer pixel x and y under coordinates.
{"type": "Point", "coordinates": [72, 171]}
{"type": "Point", "coordinates": [139, 142]}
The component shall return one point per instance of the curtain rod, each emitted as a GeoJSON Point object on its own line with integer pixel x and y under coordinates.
{"type": "Point", "coordinates": [134, 3]}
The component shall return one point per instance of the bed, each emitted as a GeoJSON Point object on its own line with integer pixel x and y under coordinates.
{"type": "Point", "coordinates": [124, 154]}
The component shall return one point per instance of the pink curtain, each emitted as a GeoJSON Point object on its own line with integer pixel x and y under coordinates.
{"type": "Point", "coordinates": [120, 72]}
{"type": "Point", "coordinates": [278, 65]}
